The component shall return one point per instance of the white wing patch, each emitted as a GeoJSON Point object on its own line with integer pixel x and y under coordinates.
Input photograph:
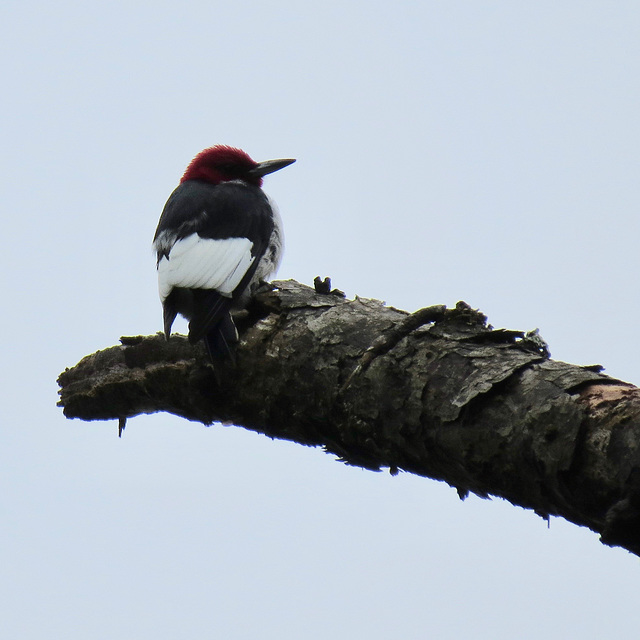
{"type": "Point", "coordinates": [204, 263]}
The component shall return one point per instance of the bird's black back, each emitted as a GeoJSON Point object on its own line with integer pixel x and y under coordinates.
{"type": "Point", "coordinates": [226, 210]}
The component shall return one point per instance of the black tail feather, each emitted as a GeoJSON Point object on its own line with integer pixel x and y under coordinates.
{"type": "Point", "coordinates": [169, 314]}
{"type": "Point", "coordinates": [221, 342]}
{"type": "Point", "coordinates": [209, 308]}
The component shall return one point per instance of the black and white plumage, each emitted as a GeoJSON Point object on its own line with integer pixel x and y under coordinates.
{"type": "Point", "coordinates": [219, 235]}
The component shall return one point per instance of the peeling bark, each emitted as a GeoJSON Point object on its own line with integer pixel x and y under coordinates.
{"type": "Point", "coordinates": [438, 393]}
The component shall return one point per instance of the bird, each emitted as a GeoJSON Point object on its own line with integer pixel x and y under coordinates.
{"type": "Point", "coordinates": [219, 236]}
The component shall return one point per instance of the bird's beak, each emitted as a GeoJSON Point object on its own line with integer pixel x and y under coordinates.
{"type": "Point", "coordinates": [269, 166]}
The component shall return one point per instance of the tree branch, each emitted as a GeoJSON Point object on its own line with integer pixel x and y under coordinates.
{"type": "Point", "coordinates": [437, 393]}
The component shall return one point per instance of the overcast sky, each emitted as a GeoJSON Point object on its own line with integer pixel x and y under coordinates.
{"type": "Point", "coordinates": [483, 151]}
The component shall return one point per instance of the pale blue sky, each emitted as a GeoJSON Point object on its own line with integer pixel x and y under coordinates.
{"type": "Point", "coordinates": [485, 151]}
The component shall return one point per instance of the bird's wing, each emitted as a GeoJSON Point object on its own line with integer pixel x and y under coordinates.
{"type": "Point", "coordinates": [204, 263]}
{"type": "Point", "coordinates": [210, 236]}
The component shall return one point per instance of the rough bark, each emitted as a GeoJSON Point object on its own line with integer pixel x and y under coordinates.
{"type": "Point", "coordinates": [437, 393]}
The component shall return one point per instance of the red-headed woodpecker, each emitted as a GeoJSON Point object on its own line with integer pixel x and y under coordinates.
{"type": "Point", "coordinates": [219, 235]}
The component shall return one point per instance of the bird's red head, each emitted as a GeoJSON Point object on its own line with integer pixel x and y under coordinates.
{"type": "Point", "coordinates": [223, 163]}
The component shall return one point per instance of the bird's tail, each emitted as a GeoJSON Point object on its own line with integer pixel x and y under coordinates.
{"type": "Point", "coordinates": [212, 322]}
{"type": "Point", "coordinates": [221, 341]}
